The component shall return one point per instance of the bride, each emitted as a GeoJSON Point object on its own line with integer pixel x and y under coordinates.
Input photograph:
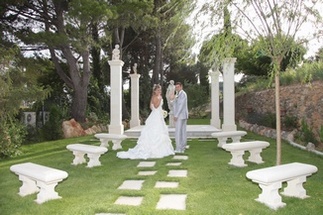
{"type": "Point", "coordinates": [154, 141]}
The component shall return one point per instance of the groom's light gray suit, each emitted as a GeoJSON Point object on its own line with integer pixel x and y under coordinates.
{"type": "Point", "coordinates": [181, 113]}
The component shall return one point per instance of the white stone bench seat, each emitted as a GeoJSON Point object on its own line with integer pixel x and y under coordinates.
{"type": "Point", "coordinates": [92, 152]}
{"type": "Point", "coordinates": [238, 149]}
{"type": "Point", "coordinates": [116, 139]}
{"type": "Point", "coordinates": [270, 180]}
{"type": "Point", "coordinates": [37, 178]}
{"type": "Point", "coordinates": [223, 136]}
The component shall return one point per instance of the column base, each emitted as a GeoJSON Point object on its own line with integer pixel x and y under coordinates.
{"type": "Point", "coordinates": [227, 127]}
{"type": "Point", "coordinates": [116, 129]}
{"type": "Point", "coordinates": [134, 123]}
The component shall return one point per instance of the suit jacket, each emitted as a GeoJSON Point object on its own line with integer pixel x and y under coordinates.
{"type": "Point", "coordinates": [180, 106]}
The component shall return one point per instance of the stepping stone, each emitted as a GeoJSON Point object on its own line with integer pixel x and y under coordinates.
{"type": "Point", "coordinates": [177, 173]}
{"type": "Point", "coordinates": [172, 201]}
{"type": "Point", "coordinates": [129, 200]}
{"type": "Point", "coordinates": [146, 164]}
{"type": "Point", "coordinates": [131, 185]}
{"type": "Point", "coordinates": [147, 172]}
{"type": "Point", "coordinates": [180, 157]}
{"type": "Point", "coordinates": [187, 146]}
{"type": "Point", "coordinates": [174, 164]}
{"type": "Point", "coordinates": [166, 184]}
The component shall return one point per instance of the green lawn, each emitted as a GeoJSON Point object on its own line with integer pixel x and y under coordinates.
{"type": "Point", "coordinates": [212, 186]}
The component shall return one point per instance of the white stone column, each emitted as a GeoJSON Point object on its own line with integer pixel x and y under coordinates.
{"type": "Point", "coordinates": [215, 98]}
{"type": "Point", "coordinates": [116, 126]}
{"type": "Point", "coordinates": [135, 121]}
{"type": "Point", "coordinates": [228, 95]}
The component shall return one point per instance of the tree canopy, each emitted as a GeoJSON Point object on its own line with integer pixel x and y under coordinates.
{"type": "Point", "coordinates": [277, 24]}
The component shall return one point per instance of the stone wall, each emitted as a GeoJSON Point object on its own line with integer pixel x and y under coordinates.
{"type": "Point", "coordinates": [301, 101]}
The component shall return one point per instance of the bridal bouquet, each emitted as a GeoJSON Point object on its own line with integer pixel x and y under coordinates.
{"type": "Point", "coordinates": [165, 113]}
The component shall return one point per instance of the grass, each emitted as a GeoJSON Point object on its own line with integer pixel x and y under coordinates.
{"type": "Point", "coordinates": [212, 186]}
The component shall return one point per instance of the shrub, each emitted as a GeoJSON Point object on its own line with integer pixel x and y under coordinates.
{"type": "Point", "coordinates": [52, 130]}
{"type": "Point", "coordinates": [12, 135]}
{"type": "Point", "coordinates": [267, 119]}
{"type": "Point", "coordinates": [321, 133]}
{"type": "Point", "coordinates": [197, 94]}
{"type": "Point", "coordinates": [290, 122]}
{"type": "Point", "coordinates": [306, 134]}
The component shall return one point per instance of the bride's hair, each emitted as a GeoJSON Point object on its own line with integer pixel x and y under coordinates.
{"type": "Point", "coordinates": [155, 87]}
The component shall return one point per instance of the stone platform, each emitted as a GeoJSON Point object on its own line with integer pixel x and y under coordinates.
{"type": "Point", "coordinates": [193, 131]}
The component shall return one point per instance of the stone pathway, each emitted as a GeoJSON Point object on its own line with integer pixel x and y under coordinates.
{"type": "Point", "coordinates": [172, 201]}
{"type": "Point", "coordinates": [166, 201]}
{"type": "Point", "coordinates": [131, 185]}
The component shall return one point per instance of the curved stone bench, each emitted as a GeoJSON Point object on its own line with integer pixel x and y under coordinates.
{"type": "Point", "coordinates": [93, 153]}
{"type": "Point", "coordinates": [223, 136]}
{"type": "Point", "coordinates": [116, 139]}
{"type": "Point", "coordinates": [270, 180]}
{"type": "Point", "coordinates": [238, 149]}
{"type": "Point", "coordinates": [37, 178]}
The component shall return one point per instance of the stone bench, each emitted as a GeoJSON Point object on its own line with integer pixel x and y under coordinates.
{"type": "Point", "coordinates": [37, 178]}
{"type": "Point", "coordinates": [270, 180]}
{"type": "Point", "coordinates": [223, 136]}
{"type": "Point", "coordinates": [115, 138]}
{"type": "Point", "coordinates": [92, 152]}
{"type": "Point", "coordinates": [238, 149]}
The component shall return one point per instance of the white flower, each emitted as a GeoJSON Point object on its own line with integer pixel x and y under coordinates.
{"type": "Point", "coordinates": [165, 113]}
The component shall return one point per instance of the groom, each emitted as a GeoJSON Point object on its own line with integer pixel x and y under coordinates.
{"type": "Point", "coordinates": [180, 118]}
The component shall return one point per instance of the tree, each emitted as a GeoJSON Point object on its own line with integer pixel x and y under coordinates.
{"type": "Point", "coordinates": [133, 18]}
{"type": "Point", "coordinates": [63, 28]}
{"type": "Point", "coordinates": [276, 24]}
{"type": "Point", "coordinates": [18, 85]}
{"type": "Point", "coordinates": [254, 61]}
{"type": "Point", "coordinates": [170, 19]}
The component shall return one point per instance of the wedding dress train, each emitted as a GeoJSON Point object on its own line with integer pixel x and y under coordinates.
{"type": "Point", "coordinates": [154, 141]}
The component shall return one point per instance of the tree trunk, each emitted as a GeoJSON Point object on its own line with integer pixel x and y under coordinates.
{"type": "Point", "coordinates": [79, 103]}
{"type": "Point", "coordinates": [96, 59]}
{"type": "Point", "coordinates": [278, 123]}
{"type": "Point", "coordinates": [158, 58]}
{"type": "Point", "coordinates": [277, 104]}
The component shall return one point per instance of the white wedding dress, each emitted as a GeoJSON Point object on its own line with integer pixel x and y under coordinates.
{"type": "Point", "coordinates": [154, 141]}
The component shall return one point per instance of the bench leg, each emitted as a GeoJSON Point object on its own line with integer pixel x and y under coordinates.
{"type": "Point", "coordinates": [47, 192]}
{"type": "Point", "coordinates": [116, 144]}
{"type": "Point", "coordinates": [79, 158]}
{"type": "Point", "coordinates": [295, 188]}
{"type": "Point", "coordinates": [222, 141]}
{"type": "Point", "coordinates": [104, 142]}
{"type": "Point", "coordinates": [94, 160]}
{"type": "Point", "coordinates": [28, 186]}
{"type": "Point", "coordinates": [255, 156]}
{"type": "Point", "coordinates": [236, 139]}
{"type": "Point", "coordinates": [237, 159]}
{"type": "Point", "coordinates": [270, 195]}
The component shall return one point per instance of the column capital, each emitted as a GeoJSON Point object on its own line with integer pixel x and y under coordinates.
{"type": "Point", "coordinates": [214, 73]}
{"type": "Point", "coordinates": [116, 63]}
{"type": "Point", "coordinates": [230, 60]}
{"type": "Point", "coordinates": [135, 75]}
